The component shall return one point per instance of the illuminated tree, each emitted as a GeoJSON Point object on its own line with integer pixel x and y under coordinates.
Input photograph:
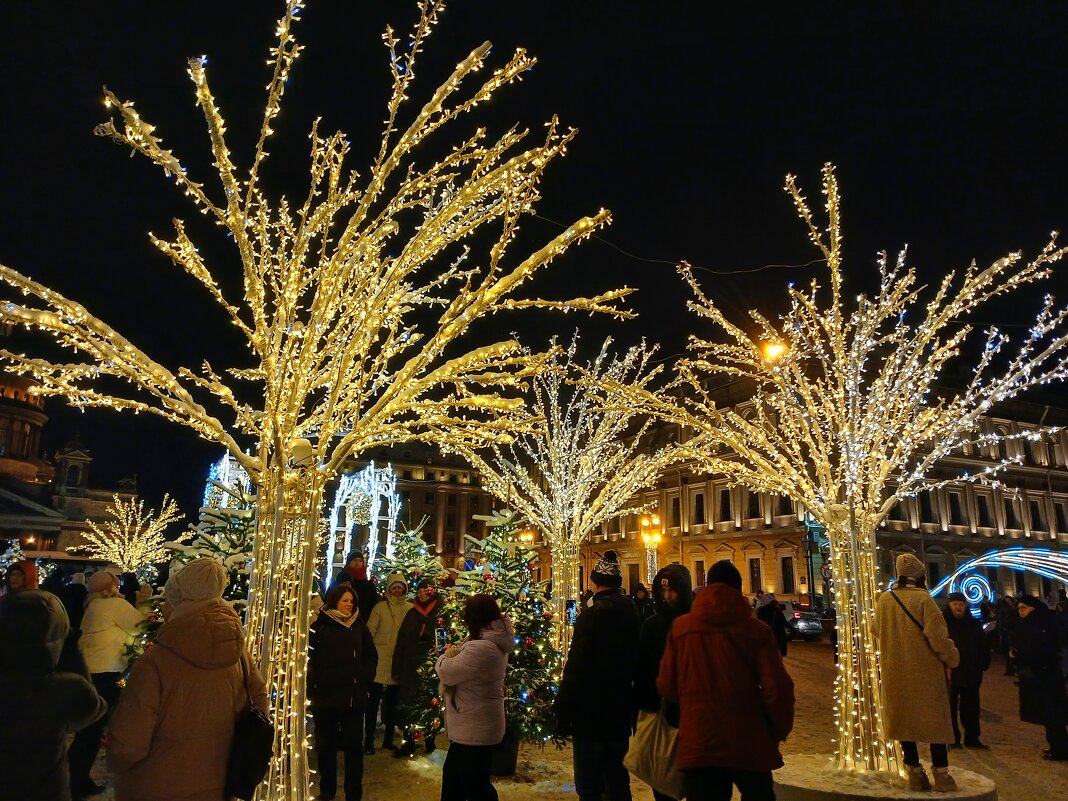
{"type": "Point", "coordinates": [353, 302]}
{"type": "Point", "coordinates": [585, 464]}
{"type": "Point", "coordinates": [850, 417]}
{"type": "Point", "coordinates": [133, 537]}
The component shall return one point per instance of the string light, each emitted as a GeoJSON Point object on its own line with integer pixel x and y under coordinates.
{"type": "Point", "coordinates": [134, 537]}
{"type": "Point", "coordinates": [1040, 561]}
{"type": "Point", "coordinates": [361, 497]}
{"type": "Point", "coordinates": [350, 301]}
{"type": "Point", "coordinates": [849, 416]}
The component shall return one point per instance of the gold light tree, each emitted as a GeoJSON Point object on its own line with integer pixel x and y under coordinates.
{"type": "Point", "coordinates": [850, 417]}
{"type": "Point", "coordinates": [353, 301]}
{"type": "Point", "coordinates": [134, 537]}
{"type": "Point", "coordinates": [586, 462]}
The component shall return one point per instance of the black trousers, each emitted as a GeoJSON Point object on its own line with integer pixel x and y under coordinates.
{"type": "Point", "coordinates": [717, 784]}
{"type": "Point", "coordinates": [86, 744]}
{"type": "Point", "coordinates": [339, 729]}
{"type": "Point", "coordinates": [1057, 737]}
{"type": "Point", "coordinates": [599, 770]}
{"type": "Point", "coordinates": [939, 754]}
{"type": "Point", "coordinates": [386, 695]}
{"type": "Point", "coordinates": [465, 776]}
{"type": "Point", "coordinates": [964, 700]}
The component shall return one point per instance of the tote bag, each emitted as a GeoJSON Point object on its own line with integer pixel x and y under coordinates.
{"type": "Point", "coordinates": [652, 753]}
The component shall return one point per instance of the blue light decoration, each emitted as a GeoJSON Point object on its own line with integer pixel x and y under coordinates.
{"type": "Point", "coordinates": [976, 588]}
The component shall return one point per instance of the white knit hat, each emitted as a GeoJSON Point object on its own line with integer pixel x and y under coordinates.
{"type": "Point", "coordinates": [200, 580]}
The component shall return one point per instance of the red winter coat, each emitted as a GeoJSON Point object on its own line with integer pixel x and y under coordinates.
{"type": "Point", "coordinates": [726, 720]}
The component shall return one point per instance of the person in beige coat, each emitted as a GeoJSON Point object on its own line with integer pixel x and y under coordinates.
{"type": "Point", "coordinates": [172, 731]}
{"type": "Point", "coordinates": [384, 624]}
{"type": "Point", "coordinates": [915, 657]}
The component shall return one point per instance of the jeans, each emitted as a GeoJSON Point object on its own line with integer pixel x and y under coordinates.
{"type": "Point", "coordinates": [465, 776]}
{"type": "Point", "coordinates": [939, 754]}
{"type": "Point", "coordinates": [717, 784]}
{"type": "Point", "coordinates": [966, 699]}
{"type": "Point", "coordinates": [334, 729]}
{"type": "Point", "coordinates": [599, 768]}
{"type": "Point", "coordinates": [86, 744]}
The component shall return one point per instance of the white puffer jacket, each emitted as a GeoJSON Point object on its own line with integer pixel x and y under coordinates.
{"type": "Point", "coordinates": [474, 686]}
{"type": "Point", "coordinates": [384, 625]}
{"type": "Point", "coordinates": [109, 624]}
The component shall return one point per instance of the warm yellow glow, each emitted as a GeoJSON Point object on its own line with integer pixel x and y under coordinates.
{"type": "Point", "coordinates": [773, 351]}
{"type": "Point", "coordinates": [132, 537]}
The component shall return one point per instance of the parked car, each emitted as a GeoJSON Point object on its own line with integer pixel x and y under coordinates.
{"type": "Point", "coordinates": [802, 621]}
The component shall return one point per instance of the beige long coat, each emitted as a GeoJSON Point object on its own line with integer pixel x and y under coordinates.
{"type": "Point", "coordinates": [914, 662]}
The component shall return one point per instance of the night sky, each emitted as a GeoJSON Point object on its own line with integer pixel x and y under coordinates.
{"type": "Point", "coordinates": [947, 122]}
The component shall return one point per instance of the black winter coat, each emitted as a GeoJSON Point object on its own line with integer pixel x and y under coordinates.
{"type": "Point", "coordinates": [342, 661]}
{"type": "Point", "coordinates": [1042, 695]}
{"type": "Point", "coordinates": [596, 692]}
{"type": "Point", "coordinates": [415, 641]}
{"type": "Point", "coordinates": [770, 614]}
{"type": "Point", "coordinates": [974, 648]}
{"type": "Point", "coordinates": [654, 634]}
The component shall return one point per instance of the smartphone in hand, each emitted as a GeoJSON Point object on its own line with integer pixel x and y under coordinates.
{"type": "Point", "coordinates": [440, 639]}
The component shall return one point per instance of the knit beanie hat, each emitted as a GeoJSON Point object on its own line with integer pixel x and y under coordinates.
{"type": "Point", "coordinates": [353, 555]}
{"type": "Point", "coordinates": [1030, 600]}
{"type": "Point", "coordinates": [957, 596]}
{"type": "Point", "coordinates": [607, 572]}
{"type": "Point", "coordinates": [33, 626]}
{"type": "Point", "coordinates": [100, 581]}
{"type": "Point", "coordinates": [909, 566]}
{"type": "Point", "coordinates": [199, 580]}
{"type": "Point", "coordinates": [425, 584]}
{"type": "Point", "coordinates": [724, 572]}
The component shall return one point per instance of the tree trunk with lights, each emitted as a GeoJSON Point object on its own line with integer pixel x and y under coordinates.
{"type": "Point", "coordinates": [565, 556]}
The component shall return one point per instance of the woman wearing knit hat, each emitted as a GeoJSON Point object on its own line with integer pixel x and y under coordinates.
{"type": "Point", "coordinates": [915, 657]}
{"type": "Point", "coordinates": [108, 625]}
{"type": "Point", "coordinates": [172, 731]}
{"type": "Point", "coordinates": [1042, 695]}
{"type": "Point", "coordinates": [384, 624]}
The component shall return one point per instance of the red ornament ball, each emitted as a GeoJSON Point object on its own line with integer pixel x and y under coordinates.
{"type": "Point", "coordinates": [435, 702]}
{"type": "Point", "coordinates": [528, 642]}
{"type": "Point", "coordinates": [417, 735]}
{"type": "Point", "coordinates": [441, 621]}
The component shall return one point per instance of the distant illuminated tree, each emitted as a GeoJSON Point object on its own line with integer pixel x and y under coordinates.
{"type": "Point", "coordinates": [133, 537]}
{"type": "Point", "coordinates": [850, 417]}
{"type": "Point", "coordinates": [354, 299]}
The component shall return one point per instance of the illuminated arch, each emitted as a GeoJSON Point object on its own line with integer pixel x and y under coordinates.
{"type": "Point", "coordinates": [361, 496]}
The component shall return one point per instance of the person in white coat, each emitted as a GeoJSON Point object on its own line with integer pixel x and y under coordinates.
{"type": "Point", "coordinates": [108, 626]}
{"type": "Point", "coordinates": [384, 624]}
{"type": "Point", "coordinates": [473, 676]}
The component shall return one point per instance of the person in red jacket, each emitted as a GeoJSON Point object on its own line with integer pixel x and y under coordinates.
{"type": "Point", "coordinates": [723, 668]}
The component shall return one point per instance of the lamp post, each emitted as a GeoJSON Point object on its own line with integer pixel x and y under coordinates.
{"type": "Point", "coordinates": [651, 539]}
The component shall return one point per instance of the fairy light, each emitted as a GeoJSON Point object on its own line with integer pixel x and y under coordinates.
{"type": "Point", "coordinates": [346, 324]}
{"type": "Point", "coordinates": [361, 496]}
{"type": "Point", "coordinates": [587, 462]}
{"type": "Point", "coordinates": [849, 417]}
{"type": "Point", "coordinates": [133, 537]}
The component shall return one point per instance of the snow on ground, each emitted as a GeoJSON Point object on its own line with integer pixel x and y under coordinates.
{"type": "Point", "coordinates": [1014, 760]}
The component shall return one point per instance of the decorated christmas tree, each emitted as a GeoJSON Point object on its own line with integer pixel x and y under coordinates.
{"type": "Point", "coordinates": [13, 553]}
{"type": "Point", "coordinates": [412, 557]}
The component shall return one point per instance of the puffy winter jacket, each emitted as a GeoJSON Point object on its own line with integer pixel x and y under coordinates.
{"type": "Point", "coordinates": [341, 663]}
{"type": "Point", "coordinates": [474, 686]}
{"type": "Point", "coordinates": [171, 733]}
{"type": "Point", "coordinates": [723, 668]}
{"type": "Point", "coordinates": [384, 625]}
{"type": "Point", "coordinates": [108, 626]}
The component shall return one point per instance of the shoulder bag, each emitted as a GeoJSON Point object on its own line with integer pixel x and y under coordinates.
{"type": "Point", "coordinates": [251, 749]}
{"type": "Point", "coordinates": [653, 753]}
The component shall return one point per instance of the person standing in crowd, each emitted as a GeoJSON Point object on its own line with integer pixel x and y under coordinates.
{"type": "Point", "coordinates": [342, 661]}
{"type": "Point", "coordinates": [770, 614]}
{"type": "Point", "coordinates": [594, 703]}
{"type": "Point", "coordinates": [967, 634]}
{"type": "Point", "coordinates": [473, 676]}
{"type": "Point", "coordinates": [1008, 621]}
{"type": "Point", "coordinates": [354, 573]}
{"type": "Point", "coordinates": [722, 665]}
{"type": "Point", "coordinates": [73, 595]}
{"type": "Point", "coordinates": [109, 624]}
{"type": "Point", "coordinates": [1042, 694]}
{"type": "Point", "coordinates": [643, 603]}
{"type": "Point", "coordinates": [758, 599]}
{"type": "Point", "coordinates": [14, 579]}
{"type": "Point", "coordinates": [415, 641]}
{"type": "Point", "coordinates": [916, 654]}
{"type": "Point", "coordinates": [672, 598]}
{"type": "Point", "coordinates": [171, 733]}
{"type": "Point", "coordinates": [46, 701]}
{"type": "Point", "coordinates": [384, 625]}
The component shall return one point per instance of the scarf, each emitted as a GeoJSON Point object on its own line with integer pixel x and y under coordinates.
{"type": "Point", "coordinates": [424, 611]}
{"type": "Point", "coordinates": [344, 620]}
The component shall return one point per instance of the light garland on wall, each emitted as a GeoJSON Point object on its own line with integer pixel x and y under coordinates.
{"type": "Point", "coordinates": [976, 588]}
{"type": "Point", "coordinates": [346, 323]}
{"type": "Point", "coordinates": [849, 416]}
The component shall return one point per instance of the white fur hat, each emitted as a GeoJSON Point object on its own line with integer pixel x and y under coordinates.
{"type": "Point", "coordinates": [199, 580]}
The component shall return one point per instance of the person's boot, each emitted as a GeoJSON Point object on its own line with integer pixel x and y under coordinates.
{"type": "Point", "coordinates": [431, 745]}
{"type": "Point", "coordinates": [918, 780]}
{"type": "Point", "coordinates": [943, 782]}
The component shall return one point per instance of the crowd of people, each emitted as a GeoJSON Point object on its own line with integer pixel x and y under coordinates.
{"type": "Point", "coordinates": [702, 654]}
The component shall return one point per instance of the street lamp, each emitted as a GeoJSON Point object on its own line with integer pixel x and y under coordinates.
{"type": "Point", "coordinates": [773, 351]}
{"type": "Point", "coordinates": [526, 537]}
{"type": "Point", "coordinates": [652, 545]}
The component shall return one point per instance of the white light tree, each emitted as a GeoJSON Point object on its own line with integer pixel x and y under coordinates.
{"type": "Point", "coordinates": [353, 301]}
{"type": "Point", "coordinates": [585, 464]}
{"type": "Point", "coordinates": [850, 416]}
{"type": "Point", "coordinates": [133, 537]}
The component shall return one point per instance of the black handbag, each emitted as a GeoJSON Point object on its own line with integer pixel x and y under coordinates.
{"type": "Point", "coordinates": [251, 749]}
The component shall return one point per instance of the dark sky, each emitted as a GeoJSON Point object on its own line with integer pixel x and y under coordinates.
{"type": "Point", "coordinates": [947, 122]}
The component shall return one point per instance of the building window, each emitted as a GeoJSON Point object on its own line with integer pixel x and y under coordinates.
{"type": "Point", "coordinates": [699, 572]}
{"type": "Point", "coordinates": [786, 506]}
{"type": "Point", "coordinates": [698, 508]}
{"type": "Point", "coordinates": [450, 521]}
{"type": "Point", "coordinates": [407, 474]}
{"type": "Point", "coordinates": [474, 503]}
{"type": "Point", "coordinates": [897, 511]}
{"type": "Point", "coordinates": [676, 515]}
{"type": "Point", "coordinates": [754, 574]}
{"type": "Point", "coordinates": [956, 509]}
{"type": "Point", "coordinates": [1062, 517]}
{"type": "Point", "coordinates": [753, 512]}
{"type": "Point", "coordinates": [927, 513]}
{"type": "Point", "coordinates": [787, 563]}
{"type": "Point", "coordinates": [428, 499]}
{"type": "Point", "coordinates": [450, 499]}
{"type": "Point", "coordinates": [725, 513]}
{"type": "Point", "coordinates": [1011, 519]}
{"type": "Point", "coordinates": [450, 543]}
{"type": "Point", "coordinates": [1038, 520]}
{"type": "Point", "coordinates": [986, 520]}
{"type": "Point", "coordinates": [934, 573]}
